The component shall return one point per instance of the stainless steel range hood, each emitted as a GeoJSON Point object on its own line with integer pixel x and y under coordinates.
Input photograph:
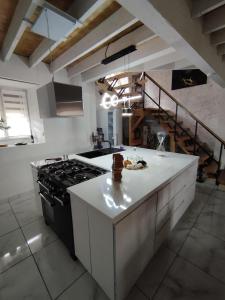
{"type": "Point", "coordinates": [60, 100]}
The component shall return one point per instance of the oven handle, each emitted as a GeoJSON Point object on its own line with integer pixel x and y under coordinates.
{"type": "Point", "coordinates": [41, 184]}
{"type": "Point", "coordinates": [60, 201]}
{"type": "Point", "coordinates": [46, 201]}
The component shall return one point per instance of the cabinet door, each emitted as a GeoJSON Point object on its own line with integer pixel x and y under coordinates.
{"type": "Point", "coordinates": [134, 238]}
{"type": "Point", "coordinates": [81, 231]}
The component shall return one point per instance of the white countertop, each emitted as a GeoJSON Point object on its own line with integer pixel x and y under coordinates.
{"type": "Point", "coordinates": [115, 200]}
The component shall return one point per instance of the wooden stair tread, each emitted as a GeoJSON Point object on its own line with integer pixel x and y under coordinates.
{"type": "Point", "coordinates": [212, 168]}
{"type": "Point", "coordinates": [221, 178]}
{"type": "Point", "coordinates": [203, 158]}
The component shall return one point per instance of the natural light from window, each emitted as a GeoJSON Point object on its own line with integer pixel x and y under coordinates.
{"type": "Point", "coordinates": [14, 113]}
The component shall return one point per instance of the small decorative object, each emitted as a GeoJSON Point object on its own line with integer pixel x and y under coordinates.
{"type": "Point", "coordinates": [161, 135]}
{"type": "Point", "coordinates": [3, 125]}
{"type": "Point", "coordinates": [117, 167]}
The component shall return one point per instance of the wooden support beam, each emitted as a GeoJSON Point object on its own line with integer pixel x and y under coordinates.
{"type": "Point", "coordinates": [218, 37]}
{"type": "Point", "coordinates": [171, 21]}
{"type": "Point", "coordinates": [202, 7]}
{"type": "Point", "coordinates": [81, 10]}
{"type": "Point", "coordinates": [116, 23]}
{"type": "Point", "coordinates": [24, 10]}
{"type": "Point", "coordinates": [135, 37]}
{"type": "Point", "coordinates": [221, 49]}
{"type": "Point", "coordinates": [214, 20]}
{"type": "Point", "coordinates": [131, 84]}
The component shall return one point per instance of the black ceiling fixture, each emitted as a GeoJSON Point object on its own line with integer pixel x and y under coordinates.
{"type": "Point", "coordinates": [119, 54]}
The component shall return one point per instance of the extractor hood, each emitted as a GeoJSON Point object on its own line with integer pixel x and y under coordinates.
{"type": "Point", "coordinates": [60, 100]}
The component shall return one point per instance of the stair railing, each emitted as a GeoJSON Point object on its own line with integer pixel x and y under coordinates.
{"type": "Point", "coordinates": [177, 124]}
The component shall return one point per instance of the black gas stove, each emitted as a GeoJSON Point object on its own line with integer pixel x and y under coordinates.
{"type": "Point", "coordinates": [54, 179]}
{"type": "Point", "coordinates": [61, 175]}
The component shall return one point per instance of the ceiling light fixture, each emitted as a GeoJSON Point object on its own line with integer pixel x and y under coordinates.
{"type": "Point", "coordinates": [118, 54]}
{"type": "Point", "coordinates": [106, 101]}
{"type": "Point", "coordinates": [127, 112]}
{"type": "Point", "coordinates": [109, 101]}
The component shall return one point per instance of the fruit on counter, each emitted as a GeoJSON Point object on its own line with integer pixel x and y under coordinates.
{"type": "Point", "coordinates": [143, 162]}
{"type": "Point", "coordinates": [127, 162]}
{"type": "Point", "coordinates": [135, 166]}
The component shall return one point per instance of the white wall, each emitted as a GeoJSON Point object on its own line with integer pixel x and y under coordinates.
{"type": "Point", "coordinates": [206, 102]}
{"type": "Point", "coordinates": [63, 135]}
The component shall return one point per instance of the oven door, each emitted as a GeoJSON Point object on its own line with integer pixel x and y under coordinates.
{"type": "Point", "coordinates": [48, 205]}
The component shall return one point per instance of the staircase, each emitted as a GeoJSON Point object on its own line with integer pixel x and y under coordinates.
{"type": "Point", "coordinates": [182, 139]}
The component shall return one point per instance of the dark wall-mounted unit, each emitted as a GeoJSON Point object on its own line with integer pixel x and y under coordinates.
{"type": "Point", "coordinates": [187, 78]}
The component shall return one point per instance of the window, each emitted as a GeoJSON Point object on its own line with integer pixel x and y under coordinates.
{"type": "Point", "coordinates": [14, 113]}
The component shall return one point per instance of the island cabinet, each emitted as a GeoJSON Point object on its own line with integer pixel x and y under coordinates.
{"type": "Point", "coordinates": [114, 254]}
{"type": "Point", "coordinates": [172, 201]}
{"type": "Point", "coordinates": [118, 230]}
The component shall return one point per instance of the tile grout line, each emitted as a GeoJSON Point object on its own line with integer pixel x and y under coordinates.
{"type": "Point", "coordinates": [31, 253]}
{"type": "Point", "coordinates": [191, 263]}
{"type": "Point", "coordinates": [15, 264]}
{"type": "Point", "coordinates": [69, 286]}
{"type": "Point", "coordinates": [142, 292]}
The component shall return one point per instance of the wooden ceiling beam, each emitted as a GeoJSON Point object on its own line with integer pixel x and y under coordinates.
{"type": "Point", "coordinates": [221, 49]}
{"type": "Point", "coordinates": [136, 37]}
{"type": "Point", "coordinates": [148, 51]}
{"type": "Point", "coordinates": [214, 20]}
{"type": "Point", "coordinates": [24, 10]}
{"type": "Point", "coordinates": [202, 7]}
{"type": "Point", "coordinates": [218, 37]}
{"type": "Point", "coordinates": [81, 10]}
{"type": "Point", "coordinates": [116, 23]}
{"type": "Point", "coordinates": [180, 32]}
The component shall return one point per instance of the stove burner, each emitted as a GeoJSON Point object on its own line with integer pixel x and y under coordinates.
{"type": "Point", "coordinates": [64, 174]}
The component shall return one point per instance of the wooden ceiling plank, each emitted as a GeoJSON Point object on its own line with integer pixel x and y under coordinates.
{"type": "Point", "coordinates": [46, 46]}
{"type": "Point", "coordinates": [136, 37]}
{"type": "Point", "coordinates": [116, 23]}
{"type": "Point", "coordinates": [24, 10]}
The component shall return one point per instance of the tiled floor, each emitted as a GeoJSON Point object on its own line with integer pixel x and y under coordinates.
{"type": "Point", "coordinates": [34, 264]}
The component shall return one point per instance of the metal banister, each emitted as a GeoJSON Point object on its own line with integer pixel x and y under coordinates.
{"type": "Point", "coordinates": [197, 121]}
{"type": "Point", "coordinates": [183, 107]}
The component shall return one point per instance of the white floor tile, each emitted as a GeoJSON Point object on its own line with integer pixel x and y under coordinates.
{"type": "Point", "coordinates": [13, 249]}
{"type": "Point", "coordinates": [57, 267]}
{"type": "Point", "coordinates": [84, 288]}
{"type": "Point", "coordinates": [38, 235]}
{"type": "Point", "coordinates": [23, 281]}
{"type": "Point", "coordinates": [152, 276]}
{"type": "Point", "coordinates": [8, 222]}
{"type": "Point", "coordinates": [187, 282]}
{"type": "Point", "coordinates": [26, 211]}
{"type": "Point", "coordinates": [206, 252]}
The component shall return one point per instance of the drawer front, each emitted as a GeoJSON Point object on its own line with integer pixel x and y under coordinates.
{"type": "Point", "coordinates": [172, 189]}
{"type": "Point", "coordinates": [171, 214]}
{"type": "Point", "coordinates": [134, 237]}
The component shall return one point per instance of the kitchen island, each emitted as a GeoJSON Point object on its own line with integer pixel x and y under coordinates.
{"type": "Point", "coordinates": [119, 226]}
